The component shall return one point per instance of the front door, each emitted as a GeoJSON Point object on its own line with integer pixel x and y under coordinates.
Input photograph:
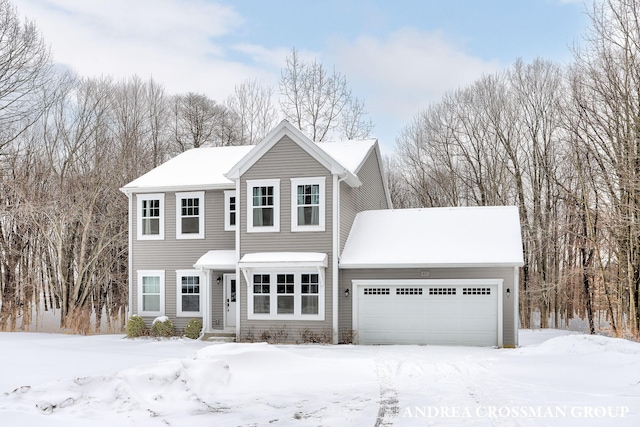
{"type": "Point", "coordinates": [230, 295]}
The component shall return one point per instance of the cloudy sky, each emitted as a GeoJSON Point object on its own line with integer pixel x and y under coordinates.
{"type": "Point", "coordinates": [398, 55]}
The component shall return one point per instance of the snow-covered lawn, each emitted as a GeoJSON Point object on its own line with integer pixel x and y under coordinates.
{"type": "Point", "coordinates": [553, 379]}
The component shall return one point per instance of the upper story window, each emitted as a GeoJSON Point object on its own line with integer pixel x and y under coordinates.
{"type": "Point", "coordinates": [230, 210]}
{"type": "Point", "coordinates": [190, 215]}
{"type": "Point", "coordinates": [150, 220]}
{"type": "Point", "coordinates": [308, 204]}
{"type": "Point", "coordinates": [263, 205]}
{"type": "Point", "coordinates": [151, 292]}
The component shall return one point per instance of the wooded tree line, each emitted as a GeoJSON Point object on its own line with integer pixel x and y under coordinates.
{"type": "Point", "coordinates": [560, 142]}
{"type": "Point", "coordinates": [563, 144]}
{"type": "Point", "coordinates": [67, 144]}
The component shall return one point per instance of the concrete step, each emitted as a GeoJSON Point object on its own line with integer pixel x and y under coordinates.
{"type": "Point", "coordinates": [219, 337]}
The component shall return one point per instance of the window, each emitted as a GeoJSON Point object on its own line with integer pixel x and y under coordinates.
{"type": "Point", "coordinates": [151, 292]}
{"type": "Point", "coordinates": [307, 204]}
{"type": "Point", "coordinates": [150, 216]}
{"type": "Point", "coordinates": [190, 215]}
{"type": "Point", "coordinates": [188, 292]}
{"type": "Point", "coordinates": [261, 294]}
{"type": "Point", "coordinates": [230, 210]}
{"type": "Point", "coordinates": [263, 204]}
{"type": "Point", "coordinates": [285, 286]}
{"type": "Point", "coordinates": [309, 291]}
{"type": "Point", "coordinates": [296, 295]}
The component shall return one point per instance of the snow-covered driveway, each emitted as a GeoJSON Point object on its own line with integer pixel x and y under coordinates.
{"type": "Point", "coordinates": [553, 379]}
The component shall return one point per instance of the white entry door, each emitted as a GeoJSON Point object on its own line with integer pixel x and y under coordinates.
{"type": "Point", "coordinates": [230, 295]}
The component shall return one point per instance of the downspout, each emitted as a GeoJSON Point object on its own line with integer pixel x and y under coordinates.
{"type": "Point", "coordinates": [516, 302]}
{"type": "Point", "coordinates": [130, 256]}
{"type": "Point", "coordinates": [336, 249]}
{"type": "Point", "coordinates": [238, 277]}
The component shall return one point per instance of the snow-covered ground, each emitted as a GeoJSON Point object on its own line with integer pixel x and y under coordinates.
{"type": "Point", "coordinates": [554, 379]}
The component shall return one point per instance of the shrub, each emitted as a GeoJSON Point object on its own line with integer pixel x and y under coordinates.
{"type": "Point", "coordinates": [247, 335]}
{"type": "Point", "coordinates": [162, 327]}
{"type": "Point", "coordinates": [348, 336]}
{"type": "Point", "coordinates": [307, 336]}
{"type": "Point", "coordinates": [193, 329]}
{"type": "Point", "coordinates": [136, 327]}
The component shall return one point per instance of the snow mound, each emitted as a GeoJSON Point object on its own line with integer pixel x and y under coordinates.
{"type": "Point", "coordinates": [167, 387]}
{"type": "Point", "coordinates": [586, 344]}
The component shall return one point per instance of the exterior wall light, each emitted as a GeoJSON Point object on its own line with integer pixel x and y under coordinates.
{"type": "Point", "coordinates": [508, 292]}
{"type": "Point", "coordinates": [218, 280]}
{"type": "Point", "coordinates": [346, 293]}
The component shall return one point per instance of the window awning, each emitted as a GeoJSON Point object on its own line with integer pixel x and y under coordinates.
{"type": "Point", "coordinates": [217, 260]}
{"type": "Point", "coordinates": [283, 260]}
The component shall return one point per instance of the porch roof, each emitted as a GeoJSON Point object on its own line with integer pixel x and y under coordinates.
{"type": "Point", "coordinates": [219, 260]}
{"type": "Point", "coordinates": [283, 259]}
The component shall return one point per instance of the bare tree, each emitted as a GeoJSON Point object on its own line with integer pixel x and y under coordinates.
{"type": "Point", "coordinates": [253, 106]}
{"type": "Point", "coordinates": [25, 74]}
{"type": "Point", "coordinates": [314, 99]}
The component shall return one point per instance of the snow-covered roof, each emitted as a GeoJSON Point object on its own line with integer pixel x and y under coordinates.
{"type": "Point", "coordinates": [435, 237]}
{"type": "Point", "coordinates": [198, 168]}
{"type": "Point", "coordinates": [350, 154]}
{"type": "Point", "coordinates": [208, 167]}
{"type": "Point", "coordinates": [217, 260]}
{"type": "Point", "coordinates": [284, 259]}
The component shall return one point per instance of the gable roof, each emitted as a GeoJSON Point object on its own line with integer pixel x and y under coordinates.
{"type": "Point", "coordinates": [435, 237]}
{"type": "Point", "coordinates": [198, 168]}
{"type": "Point", "coordinates": [313, 149]}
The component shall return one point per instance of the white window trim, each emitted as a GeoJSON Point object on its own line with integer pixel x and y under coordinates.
{"type": "Point", "coordinates": [320, 181]}
{"type": "Point", "coordinates": [227, 213]}
{"type": "Point", "coordinates": [273, 295]}
{"type": "Point", "coordinates": [140, 198]}
{"type": "Point", "coordinates": [275, 183]}
{"type": "Point", "coordinates": [179, 275]}
{"type": "Point", "coordinates": [151, 273]}
{"type": "Point", "coordinates": [190, 195]}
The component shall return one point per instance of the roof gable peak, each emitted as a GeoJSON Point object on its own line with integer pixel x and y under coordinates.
{"type": "Point", "coordinates": [285, 128]}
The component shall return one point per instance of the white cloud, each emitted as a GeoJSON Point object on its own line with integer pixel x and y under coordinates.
{"type": "Point", "coordinates": [176, 42]}
{"type": "Point", "coordinates": [403, 73]}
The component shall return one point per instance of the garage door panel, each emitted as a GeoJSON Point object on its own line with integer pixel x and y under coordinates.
{"type": "Point", "coordinates": [448, 315]}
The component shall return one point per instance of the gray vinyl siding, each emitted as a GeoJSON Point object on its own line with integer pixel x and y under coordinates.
{"type": "Point", "coordinates": [507, 274]}
{"type": "Point", "coordinates": [369, 196]}
{"type": "Point", "coordinates": [173, 254]}
{"type": "Point", "coordinates": [286, 160]}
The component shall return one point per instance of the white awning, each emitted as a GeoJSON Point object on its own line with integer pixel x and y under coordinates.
{"type": "Point", "coordinates": [283, 260]}
{"type": "Point", "coordinates": [217, 260]}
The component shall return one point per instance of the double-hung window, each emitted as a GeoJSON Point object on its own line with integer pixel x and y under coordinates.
{"type": "Point", "coordinates": [151, 292]}
{"type": "Point", "coordinates": [150, 221]}
{"type": "Point", "coordinates": [190, 215]}
{"type": "Point", "coordinates": [307, 204]}
{"type": "Point", "coordinates": [263, 204]}
{"type": "Point", "coordinates": [189, 284]}
{"type": "Point", "coordinates": [230, 210]}
{"type": "Point", "coordinates": [261, 293]}
{"type": "Point", "coordinates": [296, 295]}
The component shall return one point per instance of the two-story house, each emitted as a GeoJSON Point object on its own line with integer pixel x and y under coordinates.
{"type": "Point", "coordinates": [301, 236]}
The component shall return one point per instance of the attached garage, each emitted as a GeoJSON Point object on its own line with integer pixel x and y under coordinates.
{"type": "Point", "coordinates": [444, 276]}
{"type": "Point", "coordinates": [447, 312]}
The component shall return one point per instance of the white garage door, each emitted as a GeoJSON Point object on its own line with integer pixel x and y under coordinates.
{"type": "Point", "coordinates": [449, 314]}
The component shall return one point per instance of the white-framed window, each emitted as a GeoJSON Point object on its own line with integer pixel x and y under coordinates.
{"type": "Point", "coordinates": [297, 295]}
{"type": "Point", "coordinates": [189, 285]}
{"type": "Point", "coordinates": [151, 293]}
{"type": "Point", "coordinates": [308, 204]}
{"type": "Point", "coordinates": [190, 215]}
{"type": "Point", "coordinates": [150, 216]}
{"type": "Point", "coordinates": [230, 210]}
{"type": "Point", "coordinates": [263, 205]}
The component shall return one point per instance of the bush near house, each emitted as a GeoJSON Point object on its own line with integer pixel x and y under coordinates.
{"type": "Point", "coordinates": [193, 329]}
{"type": "Point", "coordinates": [136, 327]}
{"type": "Point", "coordinates": [162, 327]}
